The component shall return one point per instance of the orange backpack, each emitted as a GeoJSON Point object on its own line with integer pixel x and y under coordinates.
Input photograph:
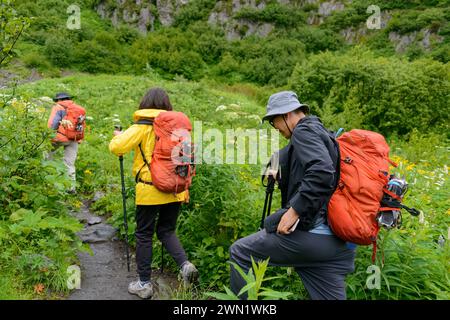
{"type": "Point", "coordinates": [364, 167]}
{"type": "Point", "coordinates": [172, 166]}
{"type": "Point", "coordinates": [77, 116]}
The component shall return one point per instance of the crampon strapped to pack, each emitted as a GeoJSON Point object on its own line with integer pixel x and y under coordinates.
{"type": "Point", "coordinates": [172, 164]}
{"type": "Point", "coordinates": [77, 117]}
{"type": "Point", "coordinates": [366, 197]}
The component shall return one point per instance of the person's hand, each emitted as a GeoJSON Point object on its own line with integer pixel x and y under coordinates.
{"type": "Point", "coordinates": [66, 124]}
{"type": "Point", "coordinates": [287, 221]}
{"type": "Point", "coordinates": [273, 173]}
{"type": "Point", "coordinates": [117, 132]}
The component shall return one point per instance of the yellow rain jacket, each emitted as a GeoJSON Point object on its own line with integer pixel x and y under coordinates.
{"type": "Point", "coordinates": [145, 194]}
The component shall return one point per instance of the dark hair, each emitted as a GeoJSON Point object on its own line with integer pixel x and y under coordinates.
{"type": "Point", "coordinates": [303, 109]}
{"type": "Point", "coordinates": [156, 98]}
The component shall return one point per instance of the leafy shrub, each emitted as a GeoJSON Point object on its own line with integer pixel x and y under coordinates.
{"type": "Point", "coordinates": [405, 22]}
{"type": "Point", "coordinates": [94, 57]}
{"type": "Point", "coordinates": [228, 68]}
{"type": "Point", "coordinates": [59, 50]}
{"type": "Point", "coordinates": [170, 52]}
{"type": "Point", "coordinates": [193, 11]}
{"type": "Point", "coordinates": [126, 35]}
{"type": "Point", "coordinates": [266, 61]}
{"type": "Point", "coordinates": [210, 42]}
{"type": "Point", "coordinates": [442, 53]}
{"type": "Point", "coordinates": [36, 234]}
{"type": "Point", "coordinates": [207, 228]}
{"type": "Point", "coordinates": [273, 13]}
{"type": "Point", "coordinates": [315, 39]}
{"type": "Point", "coordinates": [36, 60]}
{"type": "Point", "coordinates": [253, 288]}
{"type": "Point", "coordinates": [352, 15]}
{"type": "Point", "coordinates": [406, 270]}
{"type": "Point", "coordinates": [383, 94]}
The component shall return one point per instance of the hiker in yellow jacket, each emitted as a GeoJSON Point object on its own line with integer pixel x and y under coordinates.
{"type": "Point", "coordinates": [150, 202]}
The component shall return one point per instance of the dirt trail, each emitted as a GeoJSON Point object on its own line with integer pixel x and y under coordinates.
{"type": "Point", "coordinates": [104, 275]}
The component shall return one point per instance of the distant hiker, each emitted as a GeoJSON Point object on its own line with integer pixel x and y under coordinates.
{"type": "Point", "coordinates": [300, 236]}
{"type": "Point", "coordinates": [151, 202]}
{"type": "Point", "coordinates": [69, 121]}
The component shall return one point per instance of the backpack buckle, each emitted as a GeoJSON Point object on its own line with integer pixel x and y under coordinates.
{"type": "Point", "coordinates": [348, 160]}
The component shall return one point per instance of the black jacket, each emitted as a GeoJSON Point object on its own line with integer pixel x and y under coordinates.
{"type": "Point", "coordinates": [309, 175]}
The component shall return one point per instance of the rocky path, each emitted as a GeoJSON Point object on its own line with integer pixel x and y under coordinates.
{"type": "Point", "coordinates": [104, 275]}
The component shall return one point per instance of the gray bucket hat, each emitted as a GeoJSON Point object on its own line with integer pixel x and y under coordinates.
{"type": "Point", "coordinates": [282, 103]}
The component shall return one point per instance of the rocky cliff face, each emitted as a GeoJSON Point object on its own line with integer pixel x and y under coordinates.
{"type": "Point", "coordinates": [145, 14]}
{"type": "Point", "coordinates": [142, 14]}
{"type": "Point", "coordinates": [222, 15]}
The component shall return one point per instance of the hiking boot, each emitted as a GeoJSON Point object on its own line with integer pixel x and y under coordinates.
{"type": "Point", "coordinates": [189, 273]}
{"type": "Point", "coordinates": [143, 290]}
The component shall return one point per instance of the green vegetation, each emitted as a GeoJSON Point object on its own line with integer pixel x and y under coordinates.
{"type": "Point", "coordinates": [194, 49]}
{"type": "Point", "coordinates": [368, 86]}
{"type": "Point", "coordinates": [37, 235]}
{"type": "Point", "coordinates": [232, 196]}
{"type": "Point", "coordinates": [389, 95]}
{"type": "Point", "coordinates": [274, 13]}
{"type": "Point", "coordinates": [253, 288]}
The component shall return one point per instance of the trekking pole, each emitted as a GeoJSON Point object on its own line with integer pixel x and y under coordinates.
{"type": "Point", "coordinates": [162, 258]}
{"type": "Point", "coordinates": [268, 201]}
{"type": "Point", "coordinates": [125, 222]}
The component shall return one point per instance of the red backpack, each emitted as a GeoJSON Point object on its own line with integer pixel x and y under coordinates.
{"type": "Point", "coordinates": [364, 167]}
{"type": "Point", "coordinates": [172, 166]}
{"type": "Point", "coordinates": [77, 116]}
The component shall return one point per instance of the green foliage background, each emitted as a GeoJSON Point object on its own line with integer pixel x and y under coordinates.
{"type": "Point", "coordinates": [404, 96]}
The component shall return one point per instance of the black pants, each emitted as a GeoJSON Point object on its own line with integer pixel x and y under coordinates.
{"type": "Point", "coordinates": [322, 261]}
{"type": "Point", "coordinates": [165, 230]}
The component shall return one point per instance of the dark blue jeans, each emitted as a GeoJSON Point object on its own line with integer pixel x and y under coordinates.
{"type": "Point", "coordinates": [322, 261]}
{"type": "Point", "coordinates": [165, 230]}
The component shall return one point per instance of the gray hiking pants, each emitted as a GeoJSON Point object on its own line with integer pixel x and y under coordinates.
{"type": "Point", "coordinates": [70, 156]}
{"type": "Point", "coordinates": [322, 261]}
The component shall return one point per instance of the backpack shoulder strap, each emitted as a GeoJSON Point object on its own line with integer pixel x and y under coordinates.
{"type": "Point", "coordinates": [145, 163]}
{"type": "Point", "coordinates": [325, 136]}
{"type": "Point", "coordinates": [148, 122]}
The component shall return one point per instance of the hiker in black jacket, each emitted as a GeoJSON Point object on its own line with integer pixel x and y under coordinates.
{"type": "Point", "coordinates": [298, 235]}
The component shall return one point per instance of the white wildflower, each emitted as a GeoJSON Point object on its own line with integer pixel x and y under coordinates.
{"type": "Point", "coordinates": [421, 217]}
{"type": "Point", "coordinates": [232, 115]}
{"type": "Point", "coordinates": [221, 108]}
{"type": "Point", "coordinates": [254, 117]}
{"type": "Point", "coordinates": [46, 99]}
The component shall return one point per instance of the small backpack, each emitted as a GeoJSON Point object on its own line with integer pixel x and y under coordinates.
{"type": "Point", "coordinates": [77, 116]}
{"type": "Point", "coordinates": [172, 166]}
{"type": "Point", "coordinates": [365, 190]}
